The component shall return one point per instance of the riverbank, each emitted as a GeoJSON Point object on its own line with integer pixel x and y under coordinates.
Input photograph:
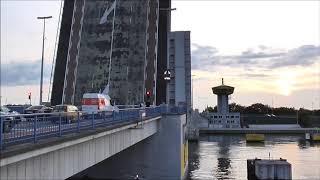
{"type": "Point", "coordinates": [204, 130]}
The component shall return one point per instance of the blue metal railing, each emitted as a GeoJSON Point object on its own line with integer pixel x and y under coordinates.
{"type": "Point", "coordinates": [22, 128]}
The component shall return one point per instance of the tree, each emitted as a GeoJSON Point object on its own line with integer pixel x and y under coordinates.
{"type": "Point", "coordinates": [209, 109]}
{"type": "Point", "coordinates": [233, 107]}
{"type": "Point", "coordinates": [258, 108]}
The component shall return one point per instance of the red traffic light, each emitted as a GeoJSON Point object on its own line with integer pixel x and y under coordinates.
{"type": "Point", "coordinates": [148, 93]}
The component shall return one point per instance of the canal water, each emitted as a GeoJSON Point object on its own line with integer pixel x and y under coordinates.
{"type": "Point", "coordinates": [213, 157]}
{"type": "Point", "coordinates": [224, 156]}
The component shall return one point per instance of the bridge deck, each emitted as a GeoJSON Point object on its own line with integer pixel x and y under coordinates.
{"type": "Point", "coordinates": [42, 143]}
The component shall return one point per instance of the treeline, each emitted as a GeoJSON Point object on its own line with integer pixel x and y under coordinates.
{"type": "Point", "coordinates": [259, 108]}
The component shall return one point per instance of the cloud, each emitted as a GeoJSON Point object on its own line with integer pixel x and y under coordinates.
{"type": "Point", "coordinates": [303, 56]}
{"type": "Point", "coordinates": [24, 73]}
{"type": "Point", "coordinates": [254, 75]}
{"type": "Point", "coordinates": [206, 57]}
{"type": "Point", "coordinates": [202, 56]}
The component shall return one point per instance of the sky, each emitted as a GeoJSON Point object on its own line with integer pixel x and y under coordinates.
{"type": "Point", "coordinates": [268, 50]}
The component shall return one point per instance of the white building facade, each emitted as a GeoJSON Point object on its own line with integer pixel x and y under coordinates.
{"type": "Point", "coordinates": [179, 63]}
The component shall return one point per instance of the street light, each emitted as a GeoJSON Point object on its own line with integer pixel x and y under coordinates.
{"type": "Point", "coordinates": [167, 78]}
{"type": "Point", "coordinates": [167, 9]}
{"type": "Point", "coordinates": [41, 75]}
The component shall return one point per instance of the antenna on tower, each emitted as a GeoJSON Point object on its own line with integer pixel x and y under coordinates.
{"type": "Point", "coordinates": [222, 81]}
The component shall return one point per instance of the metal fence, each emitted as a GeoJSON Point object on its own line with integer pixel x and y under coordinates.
{"type": "Point", "coordinates": [22, 128]}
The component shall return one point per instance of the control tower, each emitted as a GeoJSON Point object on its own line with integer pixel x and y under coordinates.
{"type": "Point", "coordinates": [222, 93]}
{"type": "Point", "coordinates": [223, 118]}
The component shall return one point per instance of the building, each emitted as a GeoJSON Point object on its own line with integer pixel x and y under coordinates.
{"type": "Point", "coordinates": [223, 118]}
{"type": "Point", "coordinates": [179, 89]}
{"type": "Point", "coordinates": [111, 42]}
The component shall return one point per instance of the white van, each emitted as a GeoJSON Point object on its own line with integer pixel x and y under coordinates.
{"type": "Point", "coordinates": [94, 102]}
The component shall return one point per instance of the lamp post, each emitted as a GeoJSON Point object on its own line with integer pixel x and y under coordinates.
{"type": "Point", "coordinates": [167, 78]}
{"type": "Point", "coordinates": [43, 36]}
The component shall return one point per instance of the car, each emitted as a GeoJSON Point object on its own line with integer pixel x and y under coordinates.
{"type": "Point", "coordinates": [38, 109]}
{"type": "Point", "coordinates": [69, 113]}
{"type": "Point", "coordinates": [9, 118]}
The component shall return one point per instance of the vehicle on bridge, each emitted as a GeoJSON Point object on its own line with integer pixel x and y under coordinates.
{"type": "Point", "coordinates": [68, 113]}
{"type": "Point", "coordinates": [11, 118]}
{"type": "Point", "coordinates": [94, 102]}
{"type": "Point", "coordinates": [38, 109]}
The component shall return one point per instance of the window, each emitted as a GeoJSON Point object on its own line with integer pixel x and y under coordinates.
{"type": "Point", "coordinates": [227, 116]}
{"type": "Point", "coordinates": [232, 116]}
{"type": "Point", "coordinates": [237, 116]}
{"type": "Point", "coordinates": [227, 121]}
{"type": "Point", "coordinates": [215, 116]}
{"type": "Point", "coordinates": [220, 116]}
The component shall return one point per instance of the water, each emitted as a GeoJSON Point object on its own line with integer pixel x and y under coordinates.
{"type": "Point", "coordinates": [224, 156]}
{"type": "Point", "coordinates": [213, 157]}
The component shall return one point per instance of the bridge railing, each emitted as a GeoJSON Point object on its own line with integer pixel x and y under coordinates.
{"type": "Point", "coordinates": [22, 128]}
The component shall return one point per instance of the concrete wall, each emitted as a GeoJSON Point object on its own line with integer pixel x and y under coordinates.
{"type": "Point", "coordinates": [157, 157]}
{"type": "Point", "coordinates": [63, 160]}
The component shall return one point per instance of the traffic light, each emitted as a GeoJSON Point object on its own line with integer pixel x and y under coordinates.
{"type": "Point", "coordinates": [148, 94]}
{"type": "Point", "coordinates": [29, 97]}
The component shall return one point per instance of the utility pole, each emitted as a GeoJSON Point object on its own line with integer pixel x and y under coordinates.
{"type": "Point", "coordinates": [43, 37]}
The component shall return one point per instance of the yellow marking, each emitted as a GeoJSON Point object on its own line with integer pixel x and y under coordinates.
{"type": "Point", "coordinates": [254, 137]}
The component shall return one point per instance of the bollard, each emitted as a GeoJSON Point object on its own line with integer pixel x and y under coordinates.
{"type": "Point", "coordinates": [35, 129]}
{"type": "Point", "coordinates": [78, 122]}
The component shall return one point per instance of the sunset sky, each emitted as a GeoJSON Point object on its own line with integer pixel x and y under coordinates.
{"type": "Point", "coordinates": [268, 50]}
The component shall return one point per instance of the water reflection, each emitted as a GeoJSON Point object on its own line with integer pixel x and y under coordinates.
{"type": "Point", "coordinates": [224, 156]}
{"type": "Point", "coordinates": [222, 170]}
{"type": "Point", "coordinates": [255, 144]}
{"type": "Point", "coordinates": [193, 156]}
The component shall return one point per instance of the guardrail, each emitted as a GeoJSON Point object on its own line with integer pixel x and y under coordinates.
{"type": "Point", "coordinates": [22, 128]}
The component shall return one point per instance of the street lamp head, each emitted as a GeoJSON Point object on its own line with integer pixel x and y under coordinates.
{"type": "Point", "coordinates": [44, 17]}
{"type": "Point", "coordinates": [167, 75]}
{"type": "Point", "coordinates": [167, 9]}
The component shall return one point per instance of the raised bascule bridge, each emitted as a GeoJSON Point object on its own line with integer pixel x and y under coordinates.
{"type": "Point", "coordinates": [122, 44]}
